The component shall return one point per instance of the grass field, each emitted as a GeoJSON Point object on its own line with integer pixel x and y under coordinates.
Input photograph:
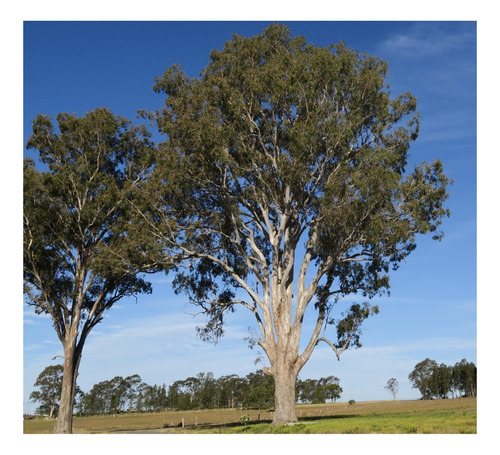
{"type": "Point", "coordinates": [390, 417]}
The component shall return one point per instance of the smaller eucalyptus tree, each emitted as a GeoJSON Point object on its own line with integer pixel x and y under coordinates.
{"type": "Point", "coordinates": [49, 384]}
{"type": "Point", "coordinates": [80, 254]}
{"type": "Point", "coordinates": [422, 378]}
{"type": "Point", "coordinates": [393, 387]}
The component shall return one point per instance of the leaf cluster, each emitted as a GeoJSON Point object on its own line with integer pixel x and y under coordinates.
{"type": "Point", "coordinates": [80, 255]}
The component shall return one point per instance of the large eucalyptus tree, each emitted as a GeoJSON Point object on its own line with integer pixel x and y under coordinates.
{"type": "Point", "coordinates": [282, 183]}
{"type": "Point", "coordinates": [79, 255]}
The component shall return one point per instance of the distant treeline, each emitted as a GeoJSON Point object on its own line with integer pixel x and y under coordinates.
{"type": "Point", "coordinates": [440, 381]}
{"type": "Point", "coordinates": [255, 391]}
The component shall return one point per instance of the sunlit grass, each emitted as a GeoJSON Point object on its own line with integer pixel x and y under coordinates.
{"type": "Point", "coordinates": [425, 423]}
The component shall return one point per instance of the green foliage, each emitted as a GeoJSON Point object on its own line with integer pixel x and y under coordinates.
{"type": "Point", "coordinates": [49, 383]}
{"type": "Point", "coordinates": [352, 402]}
{"type": "Point", "coordinates": [260, 392]}
{"type": "Point", "coordinates": [244, 419]}
{"type": "Point", "coordinates": [438, 381]}
{"type": "Point", "coordinates": [464, 378]}
{"type": "Point", "coordinates": [121, 394]}
{"type": "Point", "coordinates": [279, 144]}
{"type": "Point", "coordinates": [79, 256]}
{"type": "Point", "coordinates": [255, 391]}
{"type": "Point", "coordinates": [349, 327]}
{"type": "Point", "coordinates": [421, 377]}
{"type": "Point", "coordinates": [318, 390]}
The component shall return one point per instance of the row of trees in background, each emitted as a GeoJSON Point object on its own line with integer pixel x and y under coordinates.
{"type": "Point", "coordinates": [439, 381]}
{"type": "Point", "coordinates": [318, 391]}
{"type": "Point", "coordinates": [254, 391]}
{"type": "Point", "coordinates": [120, 394]}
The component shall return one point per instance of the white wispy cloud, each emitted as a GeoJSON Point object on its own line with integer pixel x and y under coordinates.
{"type": "Point", "coordinates": [457, 125]}
{"type": "Point", "coordinates": [30, 321]}
{"type": "Point", "coordinates": [29, 313]}
{"type": "Point", "coordinates": [34, 347]}
{"type": "Point", "coordinates": [162, 349]}
{"type": "Point", "coordinates": [426, 39]}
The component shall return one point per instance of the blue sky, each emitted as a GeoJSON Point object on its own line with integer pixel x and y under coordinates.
{"type": "Point", "coordinates": [77, 66]}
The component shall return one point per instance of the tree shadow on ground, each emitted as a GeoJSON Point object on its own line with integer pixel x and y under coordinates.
{"type": "Point", "coordinates": [305, 419]}
{"type": "Point", "coordinates": [327, 417]}
{"type": "Point", "coordinates": [215, 426]}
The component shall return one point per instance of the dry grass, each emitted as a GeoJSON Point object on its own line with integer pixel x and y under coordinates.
{"type": "Point", "coordinates": [149, 421]}
{"type": "Point", "coordinates": [440, 416]}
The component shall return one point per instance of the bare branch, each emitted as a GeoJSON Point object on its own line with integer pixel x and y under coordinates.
{"type": "Point", "coordinates": [337, 351]}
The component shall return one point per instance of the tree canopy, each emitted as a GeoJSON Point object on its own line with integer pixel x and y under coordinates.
{"type": "Point", "coordinates": [77, 255]}
{"type": "Point", "coordinates": [282, 184]}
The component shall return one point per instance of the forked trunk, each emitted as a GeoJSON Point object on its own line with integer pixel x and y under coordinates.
{"type": "Point", "coordinates": [284, 396]}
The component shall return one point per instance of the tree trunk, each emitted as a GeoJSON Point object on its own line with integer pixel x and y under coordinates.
{"type": "Point", "coordinates": [52, 407]}
{"type": "Point", "coordinates": [284, 395]}
{"type": "Point", "coordinates": [64, 423]}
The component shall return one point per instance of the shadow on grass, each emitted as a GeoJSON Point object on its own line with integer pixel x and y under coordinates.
{"type": "Point", "coordinates": [216, 426]}
{"type": "Point", "coordinates": [258, 422]}
{"type": "Point", "coordinates": [328, 417]}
